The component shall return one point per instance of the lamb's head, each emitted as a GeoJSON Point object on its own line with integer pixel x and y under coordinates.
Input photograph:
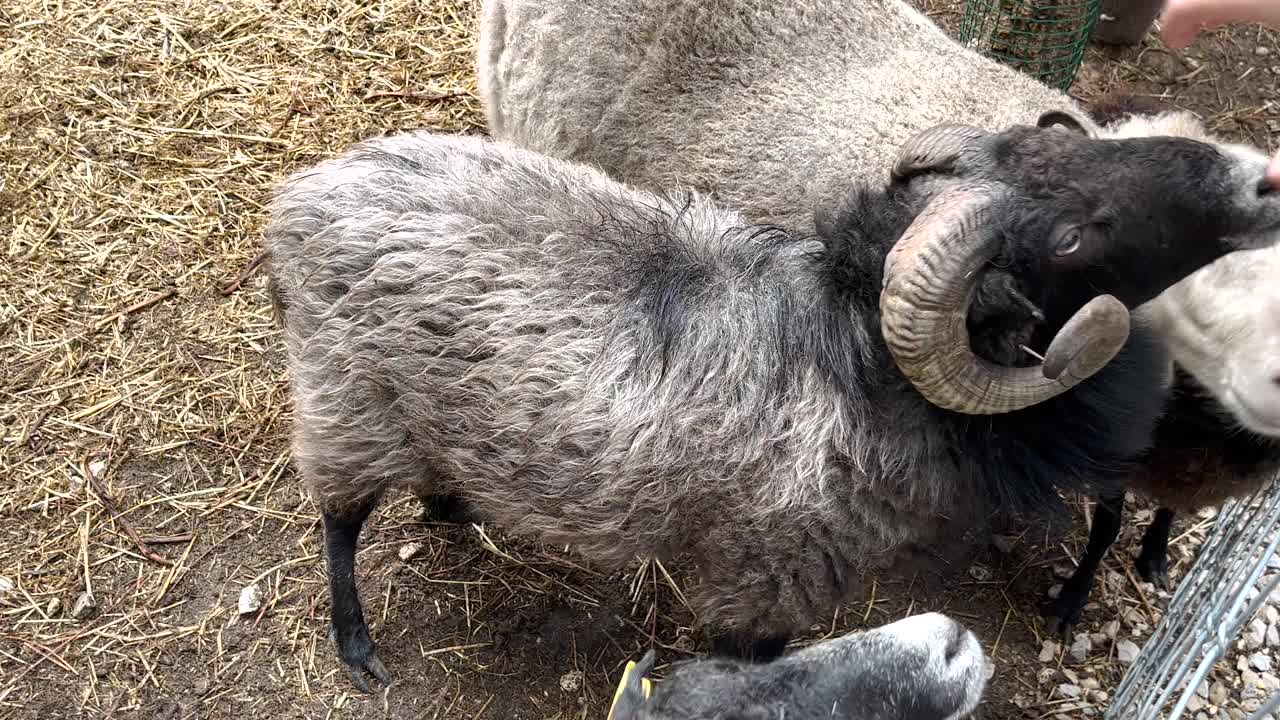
{"type": "Point", "coordinates": [925, 667]}
{"type": "Point", "coordinates": [1222, 325]}
{"type": "Point", "coordinates": [1054, 232]}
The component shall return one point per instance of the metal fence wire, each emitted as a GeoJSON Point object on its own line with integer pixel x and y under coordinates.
{"type": "Point", "coordinates": [1206, 612]}
{"type": "Point", "coordinates": [1043, 39]}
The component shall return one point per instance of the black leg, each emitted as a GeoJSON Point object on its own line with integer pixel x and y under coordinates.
{"type": "Point", "coordinates": [349, 631]}
{"type": "Point", "coordinates": [445, 508]}
{"type": "Point", "coordinates": [749, 647]}
{"type": "Point", "coordinates": [1069, 606]}
{"type": "Point", "coordinates": [1153, 562]}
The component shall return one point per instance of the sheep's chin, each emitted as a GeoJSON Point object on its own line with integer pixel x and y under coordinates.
{"type": "Point", "coordinates": [1247, 416]}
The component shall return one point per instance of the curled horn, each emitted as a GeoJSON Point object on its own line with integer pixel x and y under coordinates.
{"type": "Point", "coordinates": [929, 281]}
{"type": "Point", "coordinates": [937, 149]}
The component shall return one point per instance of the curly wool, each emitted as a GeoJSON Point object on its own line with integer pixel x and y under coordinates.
{"type": "Point", "coordinates": [635, 375]}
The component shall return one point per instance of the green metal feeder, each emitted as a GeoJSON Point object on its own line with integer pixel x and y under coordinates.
{"type": "Point", "coordinates": [1043, 38]}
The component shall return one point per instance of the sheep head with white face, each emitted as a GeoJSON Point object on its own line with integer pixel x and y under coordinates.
{"type": "Point", "coordinates": [924, 667]}
{"type": "Point", "coordinates": [1222, 325]}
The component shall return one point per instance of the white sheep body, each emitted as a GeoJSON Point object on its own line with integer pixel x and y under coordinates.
{"type": "Point", "coordinates": [772, 107]}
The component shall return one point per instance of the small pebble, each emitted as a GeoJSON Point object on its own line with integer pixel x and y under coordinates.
{"type": "Point", "coordinates": [1218, 694]}
{"type": "Point", "coordinates": [1249, 682]}
{"type": "Point", "coordinates": [1260, 661]}
{"type": "Point", "coordinates": [408, 551]}
{"type": "Point", "coordinates": [84, 606]}
{"type": "Point", "coordinates": [1098, 696]}
{"type": "Point", "coordinates": [1111, 629]}
{"type": "Point", "coordinates": [1195, 704]}
{"type": "Point", "coordinates": [1067, 690]}
{"type": "Point", "coordinates": [1127, 651]}
{"type": "Point", "coordinates": [250, 599]}
{"type": "Point", "coordinates": [1254, 635]}
{"type": "Point", "coordinates": [1270, 682]}
{"type": "Point", "coordinates": [1273, 636]}
{"type": "Point", "coordinates": [1080, 649]}
{"type": "Point", "coordinates": [1063, 570]}
{"type": "Point", "coordinates": [1054, 591]}
{"type": "Point", "coordinates": [1262, 50]}
{"type": "Point", "coordinates": [6, 586]}
{"type": "Point", "coordinates": [981, 573]}
{"type": "Point", "coordinates": [1098, 639]}
{"type": "Point", "coordinates": [1090, 684]}
{"type": "Point", "coordinates": [571, 681]}
{"type": "Point", "coordinates": [1048, 651]}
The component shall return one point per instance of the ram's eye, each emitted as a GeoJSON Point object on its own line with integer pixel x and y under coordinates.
{"type": "Point", "coordinates": [1068, 243]}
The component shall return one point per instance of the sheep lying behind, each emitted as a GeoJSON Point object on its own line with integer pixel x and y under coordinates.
{"type": "Point", "coordinates": [630, 374]}
{"type": "Point", "coordinates": [770, 107]}
{"type": "Point", "coordinates": [924, 667]}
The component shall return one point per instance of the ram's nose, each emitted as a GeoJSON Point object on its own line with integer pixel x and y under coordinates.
{"type": "Point", "coordinates": [1271, 183]}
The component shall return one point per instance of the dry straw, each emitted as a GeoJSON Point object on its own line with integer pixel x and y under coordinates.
{"type": "Point", "coordinates": [143, 404]}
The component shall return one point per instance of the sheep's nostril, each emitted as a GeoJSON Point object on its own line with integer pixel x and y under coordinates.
{"type": "Point", "coordinates": [1275, 379]}
{"type": "Point", "coordinates": [1266, 187]}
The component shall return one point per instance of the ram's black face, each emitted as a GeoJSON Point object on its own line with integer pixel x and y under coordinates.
{"type": "Point", "coordinates": [1088, 217]}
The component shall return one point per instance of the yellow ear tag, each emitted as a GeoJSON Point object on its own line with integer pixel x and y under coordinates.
{"type": "Point", "coordinates": [622, 684]}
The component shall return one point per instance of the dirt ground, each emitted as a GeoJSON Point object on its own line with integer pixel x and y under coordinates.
{"type": "Point", "coordinates": [144, 409]}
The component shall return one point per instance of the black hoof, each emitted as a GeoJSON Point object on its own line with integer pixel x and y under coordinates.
{"type": "Point", "coordinates": [358, 653]}
{"type": "Point", "coordinates": [1059, 628]}
{"type": "Point", "coordinates": [1154, 569]}
{"type": "Point", "coordinates": [1062, 615]}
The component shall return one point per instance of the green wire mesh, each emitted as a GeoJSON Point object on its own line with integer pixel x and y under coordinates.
{"type": "Point", "coordinates": [1045, 39]}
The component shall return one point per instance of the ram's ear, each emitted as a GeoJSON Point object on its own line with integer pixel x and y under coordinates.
{"type": "Point", "coordinates": [633, 692]}
{"type": "Point", "coordinates": [1065, 120]}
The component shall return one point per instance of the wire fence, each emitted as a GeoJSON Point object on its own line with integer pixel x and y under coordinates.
{"type": "Point", "coordinates": [1046, 40]}
{"type": "Point", "coordinates": [1206, 612]}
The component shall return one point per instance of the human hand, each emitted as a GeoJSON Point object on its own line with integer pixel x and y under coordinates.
{"type": "Point", "coordinates": [1182, 20]}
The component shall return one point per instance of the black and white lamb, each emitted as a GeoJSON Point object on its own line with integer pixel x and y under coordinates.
{"type": "Point", "coordinates": [924, 667]}
{"type": "Point", "coordinates": [640, 375]}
